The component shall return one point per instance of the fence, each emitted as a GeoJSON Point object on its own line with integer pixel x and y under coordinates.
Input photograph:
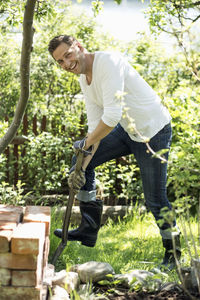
{"type": "Point", "coordinates": [32, 125]}
{"type": "Point", "coordinates": [17, 148]}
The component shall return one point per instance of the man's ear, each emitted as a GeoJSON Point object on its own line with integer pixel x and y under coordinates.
{"type": "Point", "coordinates": [80, 46]}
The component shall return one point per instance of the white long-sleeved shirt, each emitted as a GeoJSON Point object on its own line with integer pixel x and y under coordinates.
{"type": "Point", "coordinates": [138, 104]}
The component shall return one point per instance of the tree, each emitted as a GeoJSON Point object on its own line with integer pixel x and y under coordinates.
{"type": "Point", "coordinates": [28, 32]}
{"type": "Point", "coordinates": [178, 19]}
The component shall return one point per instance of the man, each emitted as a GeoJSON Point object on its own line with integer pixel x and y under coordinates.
{"type": "Point", "coordinates": [123, 113]}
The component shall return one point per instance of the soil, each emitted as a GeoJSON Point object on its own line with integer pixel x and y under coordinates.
{"type": "Point", "coordinates": [164, 295]}
{"type": "Point", "coordinates": [172, 294]}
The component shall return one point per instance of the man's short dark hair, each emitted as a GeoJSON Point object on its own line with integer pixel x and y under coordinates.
{"type": "Point", "coordinates": [57, 40]}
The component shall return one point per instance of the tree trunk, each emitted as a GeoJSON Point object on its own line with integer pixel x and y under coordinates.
{"type": "Point", "coordinates": [28, 32]}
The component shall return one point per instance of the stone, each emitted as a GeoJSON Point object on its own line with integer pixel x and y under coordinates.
{"type": "Point", "coordinates": [28, 238]}
{"type": "Point", "coordinates": [195, 262]}
{"type": "Point", "coordinates": [170, 286]}
{"type": "Point", "coordinates": [59, 278]}
{"type": "Point", "coordinates": [127, 279]}
{"type": "Point", "coordinates": [5, 236]}
{"type": "Point", "coordinates": [194, 273]}
{"type": "Point", "coordinates": [5, 276]}
{"type": "Point", "coordinates": [40, 214]}
{"type": "Point", "coordinates": [49, 272]}
{"type": "Point", "coordinates": [71, 281]}
{"type": "Point", "coordinates": [93, 271]}
{"type": "Point", "coordinates": [18, 261]}
{"type": "Point", "coordinates": [11, 213]}
{"type": "Point", "coordinates": [109, 212]}
{"type": "Point", "coordinates": [193, 278]}
{"type": "Point", "coordinates": [59, 293]}
{"type": "Point", "coordinates": [67, 280]}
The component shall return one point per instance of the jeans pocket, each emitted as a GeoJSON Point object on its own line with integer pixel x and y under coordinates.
{"type": "Point", "coordinates": [162, 140]}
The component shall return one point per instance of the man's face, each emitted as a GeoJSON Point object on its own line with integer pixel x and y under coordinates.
{"type": "Point", "coordinates": [70, 58]}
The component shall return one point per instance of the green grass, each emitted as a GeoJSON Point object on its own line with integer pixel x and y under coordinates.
{"type": "Point", "coordinates": [131, 243]}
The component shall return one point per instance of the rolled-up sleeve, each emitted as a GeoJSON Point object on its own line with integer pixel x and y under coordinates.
{"type": "Point", "coordinates": [94, 114]}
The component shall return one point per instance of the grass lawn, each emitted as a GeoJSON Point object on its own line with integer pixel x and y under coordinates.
{"type": "Point", "coordinates": [131, 243]}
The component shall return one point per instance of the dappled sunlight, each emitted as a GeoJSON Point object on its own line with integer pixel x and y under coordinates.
{"type": "Point", "coordinates": [127, 245]}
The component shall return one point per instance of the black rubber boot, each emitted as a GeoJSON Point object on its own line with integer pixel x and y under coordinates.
{"type": "Point", "coordinates": [87, 231]}
{"type": "Point", "coordinates": [169, 260]}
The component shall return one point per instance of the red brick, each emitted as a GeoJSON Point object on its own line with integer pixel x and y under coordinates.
{"type": "Point", "coordinates": [22, 293]}
{"type": "Point", "coordinates": [5, 236]}
{"type": "Point", "coordinates": [41, 214]}
{"type": "Point", "coordinates": [28, 238]}
{"type": "Point", "coordinates": [11, 213]}
{"type": "Point", "coordinates": [17, 261]}
{"type": "Point", "coordinates": [5, 276]}
{"type": "Point", "coordinates": [27, 277]}
{"type": "Point", "coordinates": [24, 278]}
{"type": "Point", "coordinates": [4, 225]}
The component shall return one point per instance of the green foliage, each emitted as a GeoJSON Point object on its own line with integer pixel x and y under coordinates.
{"type": "Point", "coordinates": [174, 16]}
{"type": "Point", "coordinates": [97, 6]}
{"type": "Point", "coordinates": [185, 154]}
{"type": "Point", "coordinates": [3, 164]}
{"type": "Point", "coordinates": [13, 195]}
{"type": "Point", "coordinates": [12, 11]}
{"type": "Point", "coordinates": [9, 75]}
{"type": "Point", "coordinates": [57, 95]}
{"type": "Point", "coordinates": [49, 170]}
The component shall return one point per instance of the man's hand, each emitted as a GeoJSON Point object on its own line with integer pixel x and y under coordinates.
{"type": "Point", "coordinates": [80, 145]}
{"type": "Point", "coordinates": [76, 179]}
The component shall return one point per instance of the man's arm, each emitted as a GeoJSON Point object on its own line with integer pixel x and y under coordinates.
{"type": "Point", "coordinates": [94, 139]}
{"type": "Point", "coordinates": [98, 134]}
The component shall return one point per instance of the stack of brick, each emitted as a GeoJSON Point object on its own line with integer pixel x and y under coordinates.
{"type": "Point", "coordinates": [24, 248]}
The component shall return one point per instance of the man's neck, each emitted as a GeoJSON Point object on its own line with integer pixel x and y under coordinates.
{"type": "Point", "coordinates": [90, 66]}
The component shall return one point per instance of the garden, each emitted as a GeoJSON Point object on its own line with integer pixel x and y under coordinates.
{"type": "Point", "coordinates": [36, 149]}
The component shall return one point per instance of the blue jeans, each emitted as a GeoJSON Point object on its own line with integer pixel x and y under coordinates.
{"type": "Point", "coordinates": [153, 171]}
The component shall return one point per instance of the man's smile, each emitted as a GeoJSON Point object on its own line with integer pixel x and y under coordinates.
{"type": "Point", "coordinates": [72, 67]}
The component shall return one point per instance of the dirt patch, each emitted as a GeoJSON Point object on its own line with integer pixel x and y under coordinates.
{"type": "Point", "coordinates": [165, 295]}
{"type": "Point", "coordinates": [174, 294]}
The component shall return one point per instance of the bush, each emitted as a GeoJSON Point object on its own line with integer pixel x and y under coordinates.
{"type": "Point", "coordinates": [46, 163]}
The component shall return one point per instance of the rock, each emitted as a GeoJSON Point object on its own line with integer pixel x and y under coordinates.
{"type": "Point", "coordinates": [195, 272]}
{"type": "Point", "coordinates": [186, 275]}
{"type": "Point", "coordinates": [59, 278]}
{"type": "Point", "coordinates": [127, 279]}
{"type": "Point", "coordinates": [67, 280]}
{"type": "Point", "coordinates": [71, 281]}
{"type": "Point", "coordinates": [170, 286]}
{"type": "Point", "coordinates": [193, 278]}
{"type": "Point", "coordinates": [109, 212]}
{"type": "Point", "coordinates": [190, 275]}
{"type": "Point", "coordinates": [93, 271]}
{"type": "Point", "coordinates": [59, 293]}
{"type": "Point", "coordinates": [49, 272]}
{"type": "Point", "coordinates": [195, 262]}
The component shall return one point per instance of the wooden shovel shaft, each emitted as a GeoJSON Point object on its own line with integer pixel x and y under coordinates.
{"type": "Point", "coordinates": [68, 211]}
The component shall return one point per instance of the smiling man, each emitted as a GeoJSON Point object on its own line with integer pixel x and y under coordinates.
{"type": "Point", "coordinates": [123, 111]}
